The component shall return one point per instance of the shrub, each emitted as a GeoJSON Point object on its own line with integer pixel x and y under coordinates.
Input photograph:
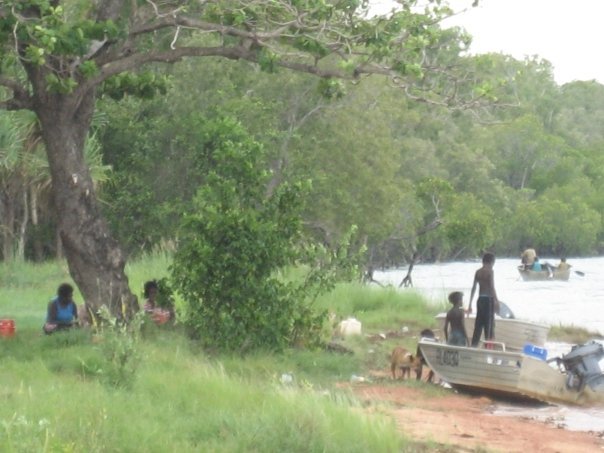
{"type": "Point", "coordinates": [235, 244]}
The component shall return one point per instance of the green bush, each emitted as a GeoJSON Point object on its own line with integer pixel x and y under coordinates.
{"type": "Point", "coordinates": [235, 244]}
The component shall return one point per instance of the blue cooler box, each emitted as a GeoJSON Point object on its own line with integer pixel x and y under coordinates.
{"type": "Point", "coordinates": [535, 351]}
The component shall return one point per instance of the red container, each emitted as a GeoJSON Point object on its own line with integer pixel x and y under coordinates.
{"type": "Point", "coordinates": [7, 328]}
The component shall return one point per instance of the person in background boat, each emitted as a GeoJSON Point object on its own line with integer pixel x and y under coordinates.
{"type": "Point", "coordinates": [537, 265]}
{"type": "Point", "coordinates": [157, 313]}
{"type": "Point", "coordinates": [528, 258]}
{"type": "Point", "coordinates": [487, 303]}
{"type": "Point", "coordinates": [62, 311]}
{"type": "Point", "coordinates": [563, 265]}
{"type": "Point", "coordinates": [455, 319]}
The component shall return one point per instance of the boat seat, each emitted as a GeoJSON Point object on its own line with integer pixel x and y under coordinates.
{"type": "Point", "coordinates": [490, 344]}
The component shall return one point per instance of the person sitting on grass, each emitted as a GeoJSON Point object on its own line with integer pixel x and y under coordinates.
{"type": "Point", "coordinates": [455, 319]}
{"type": "Point", "coordinates": [158, 314]}
{"type": "Point", "coordinates": [62, 312]}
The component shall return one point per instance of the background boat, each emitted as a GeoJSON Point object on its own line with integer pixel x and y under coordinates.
{"type": "Point", "coordinates": [529, 275]}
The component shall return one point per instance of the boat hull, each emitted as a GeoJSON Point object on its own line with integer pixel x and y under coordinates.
{"type": "Point", "coordinates": [503, 373]}
{"type": "Point", "coordinates": [514, 333]}
{"type": "Point", "coordinates": [473, 367]}
{"type": "Point", "coordinates": [529, 275]}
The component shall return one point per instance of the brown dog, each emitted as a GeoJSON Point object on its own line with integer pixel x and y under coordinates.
{"type": "Point", "coordinates": [403, 360]}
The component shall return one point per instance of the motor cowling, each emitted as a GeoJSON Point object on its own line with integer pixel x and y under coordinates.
{"type": "Point", "coordinates": [582, 365]}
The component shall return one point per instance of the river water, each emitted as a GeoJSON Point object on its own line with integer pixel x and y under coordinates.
{"type": "Point", "coordinates": [577, 302]}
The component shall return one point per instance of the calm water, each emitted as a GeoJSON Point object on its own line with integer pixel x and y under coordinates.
{"type": "Point", "coordinates": [578, 302]}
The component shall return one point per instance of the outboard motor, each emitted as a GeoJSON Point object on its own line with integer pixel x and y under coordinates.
{"type": "Point", "coordinates": [583, 367]}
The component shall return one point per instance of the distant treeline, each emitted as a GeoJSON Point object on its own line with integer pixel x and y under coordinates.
{"type": "Point", "coordinates": [414, 177]}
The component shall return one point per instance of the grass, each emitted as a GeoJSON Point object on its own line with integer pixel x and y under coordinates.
{"type": "Point", "coordinates": [67, 392]}
{"type": "Point", "coordinates": [389, 318]}
{"type": "Point", "coordinates": [572, 334]}
{"type": "Point", "coordinates": [54, 398]}
{"type": "Point", "coordinates": [379, 308]}
{"type": "Point", "coordinates": [70, 392]}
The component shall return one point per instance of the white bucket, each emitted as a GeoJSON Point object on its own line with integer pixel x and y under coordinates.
{"type": "Point", "coordinates": [350, 326]}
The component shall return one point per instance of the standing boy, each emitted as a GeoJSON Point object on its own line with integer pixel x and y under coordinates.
{"type": "Point", "coordinates": [458, 335]}
{"type": "Point", "coordinates": [487, 303]}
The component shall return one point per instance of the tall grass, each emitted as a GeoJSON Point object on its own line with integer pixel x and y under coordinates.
{"type": "Point", "coordinates": [180, 401]}
{"type": "Point", "coordinates": [26, 288]}
{"type": "Point", "coordinates": [379, 308]}
{"type": "Point", "coordinates": [55, 395]}
{"type": "Point", "coordinates": [150, 266]}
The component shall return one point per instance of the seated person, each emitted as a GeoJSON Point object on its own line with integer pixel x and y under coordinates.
{"type": "Point", "coordinates": [563, 265]}
{"type": "Point", "coordinates": [455, 319]}
{"type": "Point", "coordinates": [528, 258]}
{"type": "Point", "coordinates": [62, 312]}
{"type": "Point", "coordinates": [158, 314]}
{"type": "Point", "coordinates": [537, 265]}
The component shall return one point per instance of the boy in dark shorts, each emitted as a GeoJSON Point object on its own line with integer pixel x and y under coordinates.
{"type": "Point", "coordinates": [455, 319]}
{"type": "Point", "coordinates": [487, 304]}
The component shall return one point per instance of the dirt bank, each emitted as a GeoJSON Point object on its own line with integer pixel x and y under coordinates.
{"type": "Point", "coordinates": [467, 424]}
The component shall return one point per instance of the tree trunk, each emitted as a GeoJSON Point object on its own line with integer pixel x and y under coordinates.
{"type": "Point", "coordinates": [20, 253]}
{"type": "Point", "coordinates": [407, 282]}
{"type": "Point", "coordinates": [58, 245]}
{"type": "Point", "coordinates": [37, 243]}
{"type": "Point", "coordinates": [7, 226]}
{"type": "Point", "coordinates": [96, 262]}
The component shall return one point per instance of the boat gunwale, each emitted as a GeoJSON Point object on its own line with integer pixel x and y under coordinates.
{"type": "Point", "coordinates": [498, 319]}
{"type": "Point", "coordinates": [529, 275]}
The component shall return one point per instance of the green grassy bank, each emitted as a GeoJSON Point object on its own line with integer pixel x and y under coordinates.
{"type": "Point", "coordinates": [75, 393]}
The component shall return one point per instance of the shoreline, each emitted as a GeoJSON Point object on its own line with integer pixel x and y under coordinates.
{"type": "Point", "coordinates": [469, 422]}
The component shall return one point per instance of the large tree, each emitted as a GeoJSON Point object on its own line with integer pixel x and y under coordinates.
{"type": "Point", "coordinates": [57, 56]}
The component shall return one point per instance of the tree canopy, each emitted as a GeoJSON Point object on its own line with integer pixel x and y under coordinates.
{"type": "Point", "coordinates": [57, 57]}
{"type": "Point", "coordinates": [438, 154]}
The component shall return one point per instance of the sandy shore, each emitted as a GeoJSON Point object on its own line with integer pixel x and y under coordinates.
{"type": "Point", "coordinates": [467, 423]}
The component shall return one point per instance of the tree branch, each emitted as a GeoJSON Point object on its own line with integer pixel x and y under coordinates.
{"type": "Point", "coordinates": [176, 21]}
{"type": "Point", "coordinates": [109, 9]}
{"type": "Point", "coordinates": [299, 39]}
{"type": "Point", "coordinates": [11, 84]}
{"type": "Point", "coordinates": [20, 100]}
{"type": "Point", "coordinates": [238, 52]}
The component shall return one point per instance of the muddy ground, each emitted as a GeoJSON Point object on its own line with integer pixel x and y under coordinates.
{"type": "Point", "coordinates": [459, 422]}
